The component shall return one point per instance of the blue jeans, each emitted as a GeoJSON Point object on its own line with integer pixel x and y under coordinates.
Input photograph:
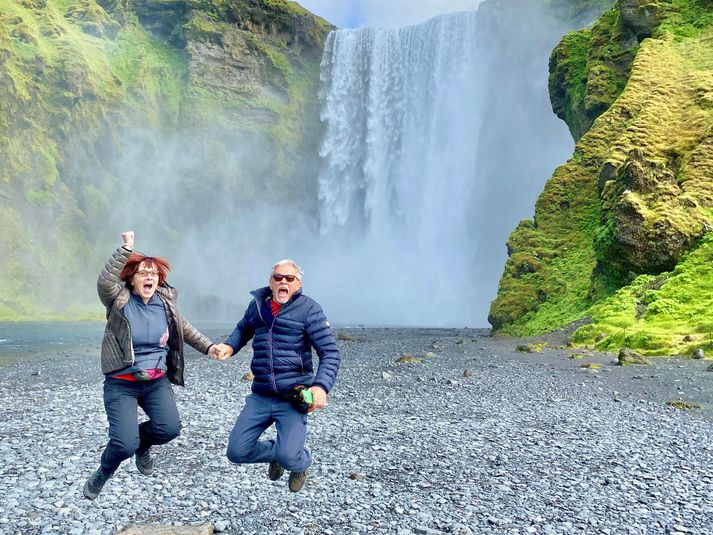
{"type": "Point", "coordinates": [121, 399]}
{"type": "Point", "coordinates": [259, 413]}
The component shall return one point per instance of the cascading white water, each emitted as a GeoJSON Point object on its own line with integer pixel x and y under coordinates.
{"type": "Point", "coordinates": [402, 111]}
{"type": "Point", "coordinates": [398, 138]}
{"type": "Point", "coordinates": [437, 140]}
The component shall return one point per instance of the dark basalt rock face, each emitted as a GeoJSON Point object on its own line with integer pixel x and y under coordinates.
{"type": "Point", "coordinates": [640, 16]}
{"type": "Point", "coordinates": [589, 68]}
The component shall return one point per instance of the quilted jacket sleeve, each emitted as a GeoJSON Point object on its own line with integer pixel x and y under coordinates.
{"type": "Point", "coordinates": [109, 285]}
{"type": "Point", "coordinates": [244, 330]}
{"type": "Point", "coordinates": [194, 338]}
{"type": "Point", "coordinates": [321, 337]}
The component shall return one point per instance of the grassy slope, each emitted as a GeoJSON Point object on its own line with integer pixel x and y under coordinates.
{"type": "Point", "coordinates": [550, 278]}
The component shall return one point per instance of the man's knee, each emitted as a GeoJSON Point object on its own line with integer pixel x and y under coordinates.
{"type": "Point", "coordinates": [289, 460]}
{"type": "Point", "coordinates": [238, 454]}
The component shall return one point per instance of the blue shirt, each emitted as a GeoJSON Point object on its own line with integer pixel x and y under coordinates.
{"type": "Point", "coordinates": [149, 333]}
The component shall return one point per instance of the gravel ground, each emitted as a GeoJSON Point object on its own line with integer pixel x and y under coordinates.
{"type": "Point", "coordinates": [530, 443]}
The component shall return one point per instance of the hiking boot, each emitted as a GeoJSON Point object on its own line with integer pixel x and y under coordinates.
{"type": "Point", "coordinates": [95, 483]}
{"type": "Point", "coordinates": [275, 471]}
{"type": "Point", "coordinates": [144, 462]}
{"type": "Point", "coordinates": [297, 480]}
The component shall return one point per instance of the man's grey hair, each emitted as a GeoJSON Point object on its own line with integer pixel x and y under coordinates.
{"type": "Point", "coordinates": [288, 262]}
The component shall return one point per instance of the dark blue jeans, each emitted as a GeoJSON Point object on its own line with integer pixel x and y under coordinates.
{"type": "Point", "coordinates": [259, 413]}
{"type": "Point", "coordinates": [121, 399]}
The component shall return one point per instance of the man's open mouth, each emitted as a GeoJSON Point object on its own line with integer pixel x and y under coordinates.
{"type": "Point", "coordinates": [282, 291]}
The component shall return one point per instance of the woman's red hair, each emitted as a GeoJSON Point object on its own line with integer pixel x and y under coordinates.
{"type": "Point", "coordinates": [135, 259]}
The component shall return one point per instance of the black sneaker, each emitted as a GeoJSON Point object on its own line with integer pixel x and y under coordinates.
{"type": "Point", "coordinates": [144, 462]}
{"type": "Point", "coordinates": [95, 483]}
{"type": "Point", "coordinates": [275, 471]}
{"type": "Point", "coordinates": [297, 480]}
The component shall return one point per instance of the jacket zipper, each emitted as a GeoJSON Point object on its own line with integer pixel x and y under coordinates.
{"type": "Point", "coordinates": [269, 339]}
{"type": "Point", "coordinates": [272, 369]}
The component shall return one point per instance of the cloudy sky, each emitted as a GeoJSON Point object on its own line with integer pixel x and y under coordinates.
{"type": "Point", "coordinates": [357, 13]}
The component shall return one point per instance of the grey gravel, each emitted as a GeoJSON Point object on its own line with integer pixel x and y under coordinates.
{"type": "Point", "coordinates": [530, 443]}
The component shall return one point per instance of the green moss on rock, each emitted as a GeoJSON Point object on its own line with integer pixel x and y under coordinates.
{"type": "Point", "coordinates": [625, 222]}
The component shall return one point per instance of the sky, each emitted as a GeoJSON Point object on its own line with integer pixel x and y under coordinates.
{"type": "Point", "coordinates": [390, 13]}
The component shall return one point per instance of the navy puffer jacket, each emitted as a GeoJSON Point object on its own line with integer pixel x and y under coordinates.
{"type": "Point", "coordinates": [283, 344]}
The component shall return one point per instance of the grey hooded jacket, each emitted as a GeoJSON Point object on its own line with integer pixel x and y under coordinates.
{"type": "Point", "coordinates": [117, 351]}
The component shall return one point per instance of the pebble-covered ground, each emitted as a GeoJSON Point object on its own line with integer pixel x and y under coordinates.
{"type": "Point", "coordinates": [529, 443]}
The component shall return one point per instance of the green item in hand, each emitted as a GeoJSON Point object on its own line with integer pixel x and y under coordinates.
{"type": "Point", "coordinates": [307, 396]}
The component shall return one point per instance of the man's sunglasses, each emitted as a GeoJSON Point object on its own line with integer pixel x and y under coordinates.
{"type": "Point", "coordinates": [277, 277]}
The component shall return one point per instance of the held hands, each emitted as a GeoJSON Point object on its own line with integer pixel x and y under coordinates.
{"type": "Point", "coordinates": [128, 238]}
{"type": "Point", "coordinates": [221, 352]}
{"type": "Point", "coordinates": [320, 398]}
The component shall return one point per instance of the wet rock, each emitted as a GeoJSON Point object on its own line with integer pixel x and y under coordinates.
{"type": "Point", "coordinates": [629, 357]}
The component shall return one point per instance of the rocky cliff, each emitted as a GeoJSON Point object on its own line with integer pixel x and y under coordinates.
{"type": "Point", "coordinates": [620, 233]}
{"type": "Point", "coordinates": [99, 98]}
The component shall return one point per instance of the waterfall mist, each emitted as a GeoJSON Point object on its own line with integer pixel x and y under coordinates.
{"type": "Point", "coordinates": [437, 139]}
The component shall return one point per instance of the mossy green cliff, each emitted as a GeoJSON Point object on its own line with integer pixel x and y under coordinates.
{"type": "Point", "coordinates": [620, 232]}
{"type": "Point", "coordinates": [84, 82]}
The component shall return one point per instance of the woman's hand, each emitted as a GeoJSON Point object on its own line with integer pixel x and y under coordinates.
{"type": "Point", "coordinates": [220, 351]}
{"type": "Point", "coordinates": [128, 238]}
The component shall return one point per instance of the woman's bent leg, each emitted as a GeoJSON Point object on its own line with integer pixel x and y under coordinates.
{"type": "Point", "coordinates": [120, 402]}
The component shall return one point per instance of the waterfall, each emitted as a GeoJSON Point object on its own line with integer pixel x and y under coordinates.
{"type": "Point", "coordinates": [437, 140]}
{"type": "Point", "coordinates": [399, 139]}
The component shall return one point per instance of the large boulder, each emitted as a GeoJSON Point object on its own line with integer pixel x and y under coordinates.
{"type": "Point", "coordinates": [652, 223]}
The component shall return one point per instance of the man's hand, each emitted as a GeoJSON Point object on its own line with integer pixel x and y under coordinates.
{"type": "Point", "coordinates": [128, 238]}
{"type": "Point", "coordinates": [223, 351]}
{"type": "Point", "coordinates": [320, 397]}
